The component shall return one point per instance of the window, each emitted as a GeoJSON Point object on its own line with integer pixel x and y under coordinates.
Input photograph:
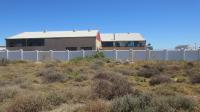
{"type": "Point", "coordinates": [16, 43]}
{"type": "Point", "coordinates": [139, 44]}
{"type": "Point", "coordinates": [107, 44]}
{"type": "Point", "coordinates": [86, 48]}
{"type": "Point", "coordinates": [25, 42]}
{"type": "Point", "coordinates": [35, 42]}
{"type": "Point", "coordinates": [71, 48]}
{"type": "Point", "coordinates": [124, 44]}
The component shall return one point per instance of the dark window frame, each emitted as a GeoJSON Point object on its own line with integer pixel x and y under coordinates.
{"type": "Point", "coordinates": [107, 44]}
{"type": "Point", "coordinates": [71, 48]}
{"type": "Point", "coordinates": [35, 42]}
{"type": "Point", "coordinates": [25, 42]}
{"type": "Point", "coordinates": [86, 48]}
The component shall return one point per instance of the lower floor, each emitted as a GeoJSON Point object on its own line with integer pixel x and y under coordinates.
{"type": "Point", "coordinates": [123, 48]}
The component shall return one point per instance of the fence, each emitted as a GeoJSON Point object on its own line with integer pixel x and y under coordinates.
{"type": "Point", "coordinates": [187, 55]}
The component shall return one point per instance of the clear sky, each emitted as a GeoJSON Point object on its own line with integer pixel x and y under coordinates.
{"type": "Point", "coordinates": [164, 23]}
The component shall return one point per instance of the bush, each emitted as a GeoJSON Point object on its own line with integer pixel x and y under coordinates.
{"type": "Point", "coordinates": [195, 78]}
{"type": "Point", "coordinates": [50, 75]}
{"type": "Point", "coordinates": [30, 103]}
{"type": "Point", "coordinates": [109, 86]}
{"type": "Point", "coordinates": [97, 64]}
{"type": "Point", "coordinates": [38, 102]}
{"type": "Point", "coordinates": [159, 79]}
{"type": "Point", "coordinates": [6, 93]}
{"type": "Point", "coordinates": [76, 76]}
{"type": "Point", "coordinates": [99, 55]}
{"type": "Point", "coordinates": [55, 99]}
{"type": "Point", "coordinates": [97, 106]}
{"type": "Point", "coordinates": [130, 103]}
{"type": "Point", "coordinates": [151, 103]}
{"type": "Point", "coordinates": [180, 102]}
{"type": "Point", "coordinates": [125, 70]}
{"type": "Point", "coordinates": [148, 71]}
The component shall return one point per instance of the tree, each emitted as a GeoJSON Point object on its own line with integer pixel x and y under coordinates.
{"type": "Point", "coordinates": [149, 46]}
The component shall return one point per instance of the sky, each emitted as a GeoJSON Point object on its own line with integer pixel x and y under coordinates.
{"type": "Point", "coordinates": [163, 23]}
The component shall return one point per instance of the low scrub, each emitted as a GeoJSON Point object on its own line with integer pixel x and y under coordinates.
{"type": "Point", "coordinates": [76, 76]}
{"type": "Point", "coordinates": [6, 93]}
{"type": "Point", "coordinates": [30, 103]}
{"type": "Point", "coordinates": [38, 102]}
{"type": "Point", "coordinates": [149, 103]}
{"type": "Point", "coordinates": [195, 78]}
{"type": "Point", "coordinates": [50, 75]}
{"type": "Point", "coordinates": [148, 71]}
{"type": "Point", "coordinates": [159, 79]}
{"type": "Point", "coordinates": [110, 85]}
{"type": "Point", "coordinates": [96, 106]}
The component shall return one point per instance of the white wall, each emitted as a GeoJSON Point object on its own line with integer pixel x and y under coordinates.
{"type": "Point", "coordinates": [188, 55]}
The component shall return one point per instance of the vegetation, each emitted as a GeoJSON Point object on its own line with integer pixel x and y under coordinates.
{"type": "Point", "coordinates": [98, 84]}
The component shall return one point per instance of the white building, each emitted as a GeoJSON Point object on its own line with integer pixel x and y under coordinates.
{"type": "Point", "coordinates": [2, 48]}
{"type": "Point", "coordinates": [184, 47]}
{"type": "Point", "coordinates": [123, 41]}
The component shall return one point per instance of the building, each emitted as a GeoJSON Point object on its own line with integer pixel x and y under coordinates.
{"type": "Point", "coordinates": [55, 40]}
{"type": "Point", "coordinates": [2, 48]}
{"type": "Point", "coordinates": [123, 41]}
{"type": "Point", "coordinates": [183, 47]}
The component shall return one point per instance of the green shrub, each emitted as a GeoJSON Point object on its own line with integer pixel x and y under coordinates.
{"type": "Point", "coordinates": [50, 75]}
{"type": "Point", "coordinates": [109, 86]}
{"type": "Point", "coordinates": [99, 55]}
{"type": "Point", "coordinates": [159, 79]}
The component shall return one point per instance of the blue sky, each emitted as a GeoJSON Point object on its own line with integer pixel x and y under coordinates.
{"type": "Point", "coordinates": [164, 23]}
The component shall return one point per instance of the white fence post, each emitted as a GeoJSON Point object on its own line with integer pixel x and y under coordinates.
{"type": "Point", "coordinates": [68, 55]}
{"type": "Point", "coordinates": [115, 54]}
{"type": "Point", "coordinates": [166, 55]}
{"type": "Point", "coordinates": [131, 54]}
{"type": "Point", "coordinates": [7, 54]}
{"type": "Point", "coordinates": [51, 54]}
{"type": "Point", "coordinates": [21, 54]}
{"type": "Point", "coordinates": [148, 54]}
{"type": "Point", "coordinates": [198, 54]}
{"type": "Point", "coordinates": [37, 55]}
{"type": "Point", "coordinates": [83, 53]}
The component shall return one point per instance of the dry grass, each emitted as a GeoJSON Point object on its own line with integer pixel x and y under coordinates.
{"type": "Point", "coordinates": [92, 84]}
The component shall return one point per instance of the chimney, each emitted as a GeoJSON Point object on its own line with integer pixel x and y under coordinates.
{"type": "Point", "coordinates": [74, 30]}
{"type": "Point", "coordinates": [114, 36]}
{"type": "Point", "coordinates": [88, 30]}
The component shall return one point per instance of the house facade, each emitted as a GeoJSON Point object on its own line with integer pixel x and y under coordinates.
{"type": "Point", "coordinates": [55, 40]}
{"type": "Point", "coordinates": [123, 41]}
{"type": "Point", "coordinates": [75, 40]}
